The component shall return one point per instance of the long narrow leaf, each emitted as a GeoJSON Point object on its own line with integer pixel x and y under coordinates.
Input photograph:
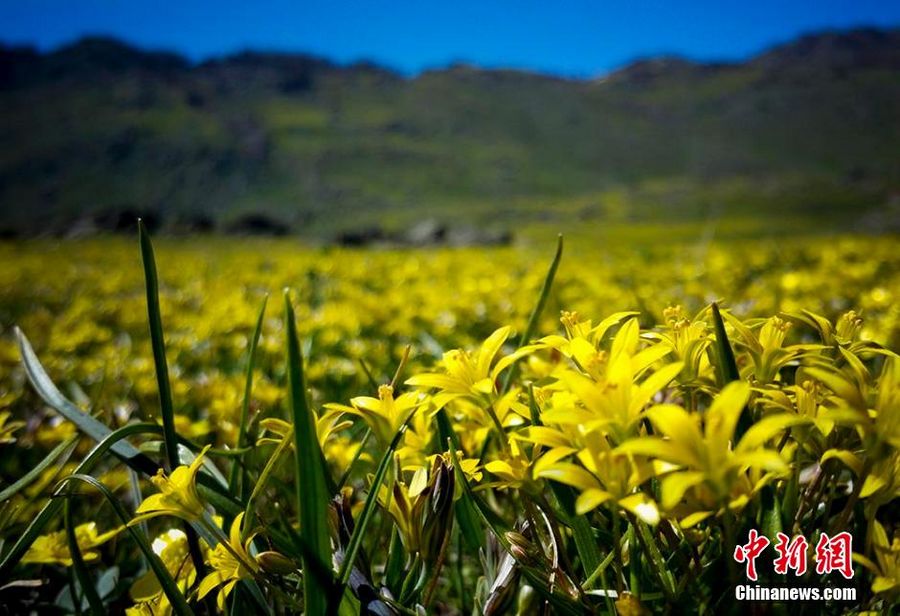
{"type": "Point", "coordinates": [727, 368]}
{"type": "Point", "coordinates": [311, 485]}
{"type": "Point", "coordinates": [51, 509]}
{"type": "Point", "coordinates": [81, 572]}
{"type": "Point", "coordinates": [95, 429]}
{"type": "Point", "coordinates": [26, 479]}
{"type": "Point", "coordinates": [525, 338]}
{"type": "Point", "coordinates": [585, 542]}
{"type": "Point", "coordinates": [263, 480]}
{"type": "Point", "coordinates": [166, 408]}
{"type": "Point", "coordinates": [648, 541]}
{"type": "Point", "coordinates": [159, 348]}
{"type": "Point", "coordinates": [245, 405]}
{"type": "Point", "coordinates": [168, 585]}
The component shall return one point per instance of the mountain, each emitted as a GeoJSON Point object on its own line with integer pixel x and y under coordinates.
{"type": "Point", "coordinates": [102, 130]}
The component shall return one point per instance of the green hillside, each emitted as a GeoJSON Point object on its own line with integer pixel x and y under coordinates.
{"type": "Point", "coordinates": [809, 129]}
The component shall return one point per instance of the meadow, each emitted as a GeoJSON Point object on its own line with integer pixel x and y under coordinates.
{"type": "Point", "coordinates": [470, 432]}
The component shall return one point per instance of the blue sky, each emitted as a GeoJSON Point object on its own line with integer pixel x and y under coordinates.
{"type": "Point", "coordinates": [570, 38]}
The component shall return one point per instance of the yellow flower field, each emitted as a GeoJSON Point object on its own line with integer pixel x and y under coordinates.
{"type": "Point", "coordinates": [443, 430]}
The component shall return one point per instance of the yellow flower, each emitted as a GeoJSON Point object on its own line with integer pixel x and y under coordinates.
{"type": "Point", "coordinates": [688, 340]}
{"type": "Point", "coordinates": [53, 548]}
{"type": "Point", "coordinates": [467, 375]}
{"type": "Point", "coordinates": [606, 475]}
{"type": "Point", "coordinates": [189, 428]}
{"type": "Point", "coordinates": [7, 429]}
{"type": "Point", "coordinates": [157, 606]}
{"type": "Point", "coordinates": [177, 494]}
{"type": "Point", "coordinates": [231, 563]}
{"type": "Point", "coordinates": [341, 451]}
{"type": "Point", "coordinates": [708, 460]}
{"type": "Point", "coordinates": [886, 567]}
{"type": "Point", "coordinates": [609, 397]}
{"type": "Point", "coordinates": [172, 548]}
{"type": "Point", "coordinates": [415, 449]}
{"type": "Point", "coordinates": [766, 349]}
{"type": "Point", "coordinates": [326, 424]}
{"type": "Point", "coordinates": [384, 414]}
{"type": "Point", "coordinates": [471, 467]}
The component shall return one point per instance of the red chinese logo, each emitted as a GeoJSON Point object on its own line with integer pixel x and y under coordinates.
{"type": "Point", "coordinates": [834, 554]}
{"type": "Point", "coordinates": [749, 552]}
{"type": "Point", "coordinates": [791, 554]}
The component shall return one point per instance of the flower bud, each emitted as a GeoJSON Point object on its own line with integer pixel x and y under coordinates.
{"type": "Point", "coordinates": [274, 562]}
{"type": "Point", "coordinates": [522, 548]}
{"type": "Point", "coordinates": [502, 591]}
{"type": "Point", "coordinates": [438, 520]}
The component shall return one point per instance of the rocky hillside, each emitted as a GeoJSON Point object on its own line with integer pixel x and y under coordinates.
{"type": "Point", "coordinates": [99, 131]}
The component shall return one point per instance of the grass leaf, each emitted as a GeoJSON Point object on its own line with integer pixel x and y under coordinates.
{"type": "Point", "coordinates": [727, 368]}
{"type": "Point", "coordinates": [725, 364]}
{"type": "Point", "coordinates": [168, 585]}
{"type": "Point", "coordinates": [51, 509]}
{"type": "Point", "coordinates": [25, 480]}
{"type": "Point", "coordinates": [263, 480]}
{"type": "Point", "coordinates": [94, 428]}
{"type": "Point", "coordinates": [166, 408]}
{"type": "Point", "coordinates": [536, 312]}
{"type": "Point", "coordinates": [312, 492]}
{"type": "Point", "coordinates": [245, 404]}
{"type": "Point", "coordinates": [159, 348]}
{"type": "Point", "coordinates": [81, 572]}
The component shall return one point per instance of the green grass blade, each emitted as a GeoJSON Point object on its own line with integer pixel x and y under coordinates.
{"type": "Point", "coordinates": [536, 312]}
{"type": "Point", "coordinates": [263, 480]}
{"type": "Point", "coordinates": [312, 492]}
{"type": "Point", "coordinates": [81, 572]}
{"type": "Point", "coordinates": [371, 379]}
{"type": "Point", "coordinates": [727, 368]}
{"type": "Point", "coordinates": [396, 560]}
{"type": "Point", "coordinates": [159, 348]}
{"type": "Point", "coordinates": [648, 542]}
{"type": "Point", "coordinates": [245, 405]}
{"type": "Point", "coordinates": [34, 473]}
{"type": "Point", "coordinates": [51, 509]}
{"type": "Point", "coordinates": [168, 585]}
{"type": "Point", "coordinates": [359, 530]}
{"type": "Point", "coordinates": [585, 543]}
{"type": "Point", "coordinates": [95, 429]}
{"type": "Point", "coordinates": [134, 490]}
{"type": "Point", "coordinates": [166, 408]}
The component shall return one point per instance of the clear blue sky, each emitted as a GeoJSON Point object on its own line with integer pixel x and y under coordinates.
{"type": "Point", "coordinates": [571, 38]}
